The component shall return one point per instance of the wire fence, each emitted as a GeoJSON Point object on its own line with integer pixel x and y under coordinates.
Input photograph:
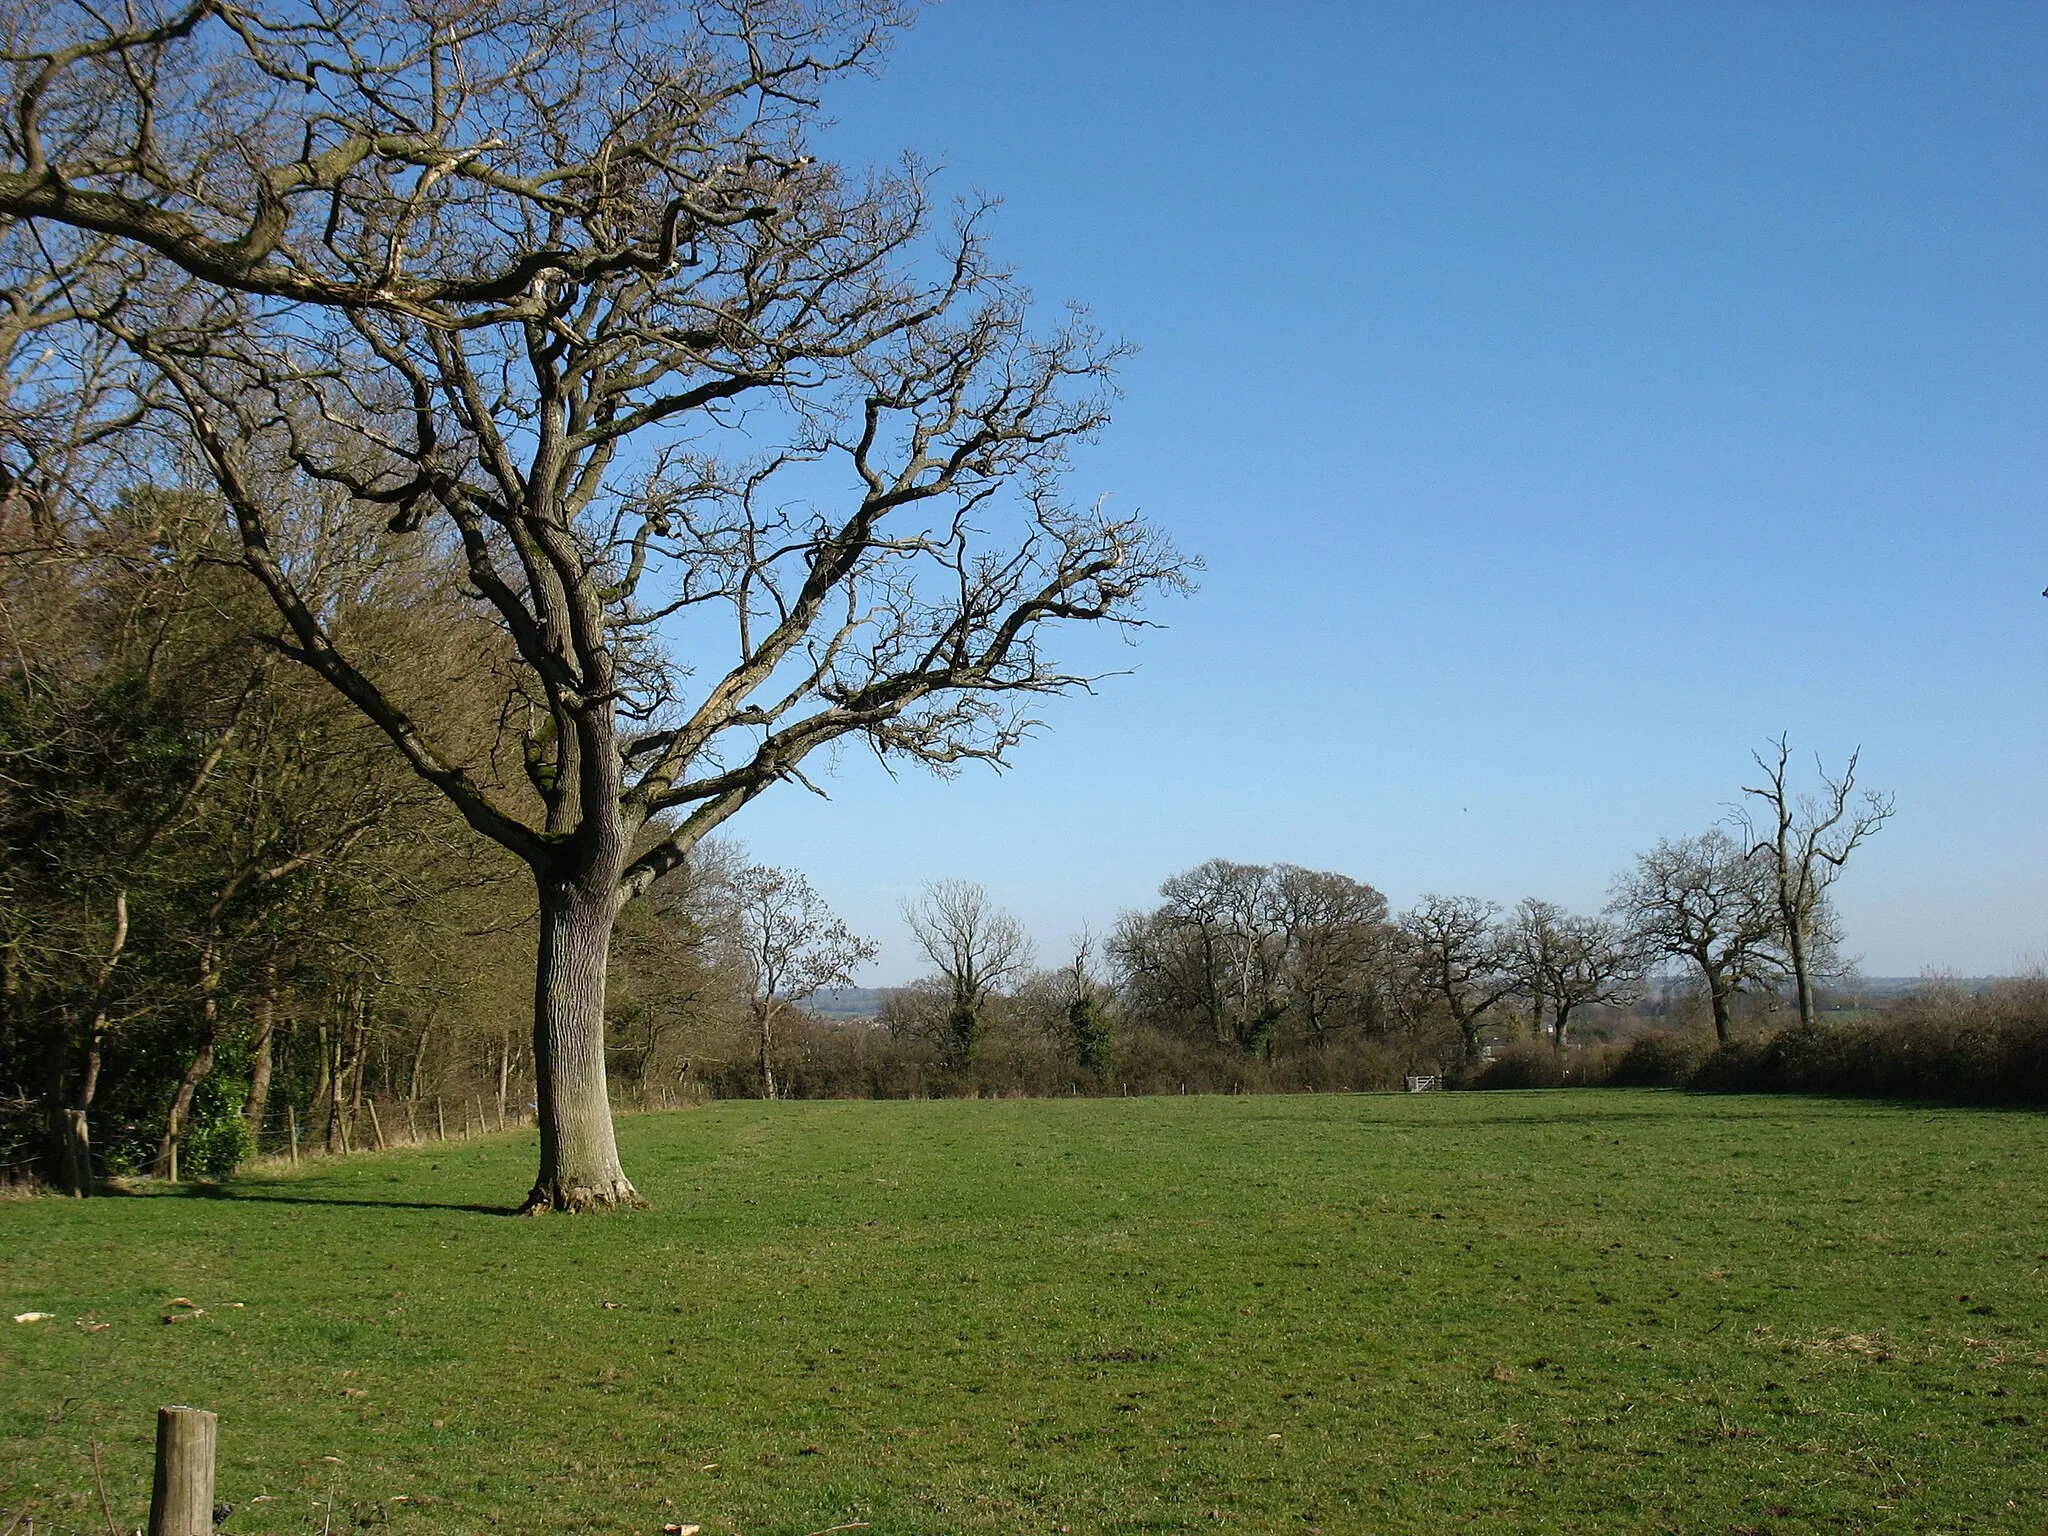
{"type": "Point", "coordinates": [288, 1133]}
{"type": "Point", "coordinates": [376, 1125]}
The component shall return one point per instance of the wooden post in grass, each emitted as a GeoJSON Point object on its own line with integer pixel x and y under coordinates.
{"type": "Point", "coordinates": [291, 1116]}
{"type": "Point", "coordinates": [181, 1503]}
{"type": "Point", "coordinates": [375, 1124]}
{"type": "Point", "coordinates": [440, 1119]}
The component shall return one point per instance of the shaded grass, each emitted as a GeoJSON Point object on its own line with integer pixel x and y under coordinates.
{"type": "Point", "coordinates": [1603, 1311]}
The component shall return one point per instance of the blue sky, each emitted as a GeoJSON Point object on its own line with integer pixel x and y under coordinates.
{"type": "Point", "coordinates": [1564, 398]}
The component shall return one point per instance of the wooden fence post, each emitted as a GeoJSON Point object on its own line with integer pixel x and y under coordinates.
{"type": "Point", "coordinates": [440, 1119]}
{"type": "Point", "coordinates": [376, 1125]}
{"type": "Point", "coordinates": [292, 1118]}
{"type": "Point", "coordinates": [181, 1503]}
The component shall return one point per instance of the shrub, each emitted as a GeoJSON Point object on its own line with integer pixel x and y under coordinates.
{"type": "Point", "coordinates": [1656, 1061]}
{"type": "Point", "coordinates": [1522, 1066]}
{"type": "Point", "coordinates": [218, 1140]}
{"type": "Point", "coordinates": [1991, 1048]}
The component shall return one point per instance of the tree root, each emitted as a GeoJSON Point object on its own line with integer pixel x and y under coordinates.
{"type": "Point", "coordinates": [582, 1199]}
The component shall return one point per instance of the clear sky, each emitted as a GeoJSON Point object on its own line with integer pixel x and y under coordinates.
{"type": "Point", "coordinates": [1565, 399]}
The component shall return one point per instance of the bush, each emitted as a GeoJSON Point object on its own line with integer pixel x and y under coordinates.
{"type": "Point", "coordinates": [217, 1140]}
{"type": "Point", "coordinates": [1655, 1061]}
{"type": "Point", "coordinates": [1938, 1043]}
{"type": "Point", "coordinates": [1522, 1066]}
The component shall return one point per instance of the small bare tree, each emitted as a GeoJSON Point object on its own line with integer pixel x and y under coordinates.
{"type": "Point", "coordinates": [736, 455]}
{"type": "Point", "coordinates": [793, 949]}
{"type": "Point", "coordinates": [1712, 901]}
{"type": "Point", "coordinates": [1808, 838]}
{"type": "Point", "coordinates": [976, 946]}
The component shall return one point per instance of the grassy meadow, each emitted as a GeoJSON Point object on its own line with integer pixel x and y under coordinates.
{"type": "Point", "coordinates": [1572, 1311]}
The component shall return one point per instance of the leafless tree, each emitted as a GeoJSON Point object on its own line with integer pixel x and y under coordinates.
{"type": "Point", "coordinates": [1807, 838]}
{"type": "Point", "coordinates": [1457, 955]}
{"type": "Point", "coordinates": [1236, 951]}
{"type": "Point", "coordinates": [739, 458]}
{"type": "Point", "coordinates": [975, 945]}
{"type": "Point", "coordinates": [794, 949]}
{"type": "Point", "coordinates": [1334, 941]}
{"type": "Point", "coordinates": [1564, 962]}
{"type": "Point", "coordinates": [1712, 901]}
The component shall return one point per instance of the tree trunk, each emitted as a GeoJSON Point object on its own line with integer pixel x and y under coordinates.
{"type": "Point", "coordinates": [579, 1156]}
{"type": "Point", "coordinates": [1802, 978]}
{"type": "Point", "coordinates": [419, 1062]}
{"type": "Point", "coordinates": [1468, 1030]}
{"type": "Point", "coordinates": [260, 1063]}
{"type": "Point", "coordinates": [320, 1080]}
{"type": "Point", "coordinates": [202, 1063]}
{"type": "Point", "coordinates": [767, 1013]}
{"type": "Point", "coordinates": [74, 1137]}
{"type": "Point", "coordinates": [337, 1139]}
{"type": "Point", "coordinates": [362, 1053]}
{"type": "Point", "coordinates": [77, 1166]}
{"type": "Point", "coordinates": [1717, 999]}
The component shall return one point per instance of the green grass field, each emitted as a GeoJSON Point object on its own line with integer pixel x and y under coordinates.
{"type": "Point", "coordinates": [1602, 1311]}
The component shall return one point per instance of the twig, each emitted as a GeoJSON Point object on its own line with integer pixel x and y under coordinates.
{"type": "Point", "coordinates": [99, 1481]}
{"type": "Point", "coordinates": [851, 1525]}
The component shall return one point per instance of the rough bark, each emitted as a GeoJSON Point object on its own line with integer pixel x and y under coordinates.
{"type": "Point", "coordinates": [579, 1156]}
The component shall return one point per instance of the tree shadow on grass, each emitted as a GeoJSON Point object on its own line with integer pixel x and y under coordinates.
{"type": "Point", "coordinates": [207, 1191]}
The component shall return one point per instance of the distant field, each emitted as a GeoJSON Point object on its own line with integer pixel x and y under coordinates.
{"type": "Point", "coordinates": [1609, 1311]}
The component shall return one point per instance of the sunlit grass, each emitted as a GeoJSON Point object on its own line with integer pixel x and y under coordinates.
{"type": "Point", "coordinates": [1572, 1311]}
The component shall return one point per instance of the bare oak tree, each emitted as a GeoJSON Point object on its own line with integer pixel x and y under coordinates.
{"type": "Point", "coordinates": [1807, 838]}
{"type": "Point", "coordinates": [1712, 901]}
{"type": "Point", "coordinates": [1456, 954]}
{"type": "Point", "coordinates": [739, 458]}
{"type": "Point", "coordinates": [792, 949]}
{"type": "Point", "coordinates": [1564, 962]}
